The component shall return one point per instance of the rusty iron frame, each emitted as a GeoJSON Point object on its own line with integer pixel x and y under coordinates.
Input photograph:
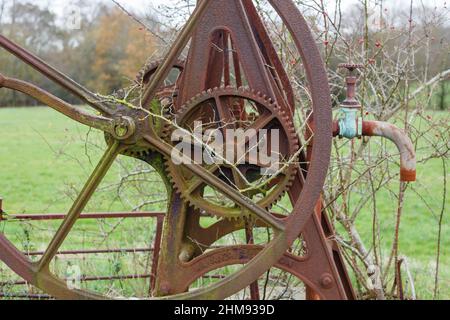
{"type": "Point", "coordinates": [322, 270]}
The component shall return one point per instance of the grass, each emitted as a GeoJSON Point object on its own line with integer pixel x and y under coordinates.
{"type": "Point", "coordinates": [44, 159]}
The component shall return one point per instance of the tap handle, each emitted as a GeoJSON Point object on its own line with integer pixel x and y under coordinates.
{"type": "Point", "coordinates": [351, 67]}
{"type": "Point", "coordinates": [351, 81]}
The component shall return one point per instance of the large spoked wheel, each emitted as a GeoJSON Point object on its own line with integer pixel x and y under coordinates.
{"type": "Point", "coordinates": [129, 129]}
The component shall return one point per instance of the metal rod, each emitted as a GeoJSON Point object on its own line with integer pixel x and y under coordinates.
{"type": "Point", "coordinates": [25, 296]}
{"type": "Point", "coordinates": [75, 212]}
{"type": "Point", "coordinates": [61, 216]}
{"type": "Point", "coordinates": [101, 251]}
{"type": "Point", "coordinates": [156, 252]}
{"type": "Point", "coordinates": [74, 113]}
{"type": "Point", "coordinates": [163, 71]}
{"type": "Point", "coordinates": [88, 279]}
{"type": "Point", "coordinates": [254, 287]}
{"type": "Point", "coordinates": [98, 251]}
{"type": "Point", "coordinates": [55, 75]}
{"type": "Point", "coordinates": [105, 278]}
{"type": "Point", "coordinates": [1, 209]}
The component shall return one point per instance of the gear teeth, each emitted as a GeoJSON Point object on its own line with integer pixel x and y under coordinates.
{"type": "Point", "coordinates": [175, 176]}
{"type": "Point", "coordinates": [151, 66]}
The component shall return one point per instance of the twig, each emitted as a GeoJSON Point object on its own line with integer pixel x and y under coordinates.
{"type": "Point", "coordinates": [439, 242]}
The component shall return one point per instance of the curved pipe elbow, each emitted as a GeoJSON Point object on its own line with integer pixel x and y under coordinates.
{"type": "Point", "coordinates": [401, 140]}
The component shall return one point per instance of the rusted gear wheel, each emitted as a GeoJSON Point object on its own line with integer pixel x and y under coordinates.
{"type": "Point", "coordinates": [166, 94]}
{"type": "Point", "coordinates": [145, 74]}
{"type": "Point", "coordinates": [252, 119]}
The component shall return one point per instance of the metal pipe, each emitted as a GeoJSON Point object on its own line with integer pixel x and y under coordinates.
{"type": "Point", "coordinates": [396, 135]}
{"type": "Point", "coordinates": [401, 140]}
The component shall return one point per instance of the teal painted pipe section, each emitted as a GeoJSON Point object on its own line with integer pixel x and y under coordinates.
{"type": "Point", "coordinates": [350, 126]}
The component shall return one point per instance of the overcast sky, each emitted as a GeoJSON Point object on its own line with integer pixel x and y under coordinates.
{"type": "Point", "coordinates": [138, 5]}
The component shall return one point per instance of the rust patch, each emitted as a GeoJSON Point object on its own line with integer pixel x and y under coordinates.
{"type": "Point", "coordinates": [336, 130]}
{"type": "Point", "coordinates": [368, 128]}
{"type": "Point", "coordinates": [407, 175]}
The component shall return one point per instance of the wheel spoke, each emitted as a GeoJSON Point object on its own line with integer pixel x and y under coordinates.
{"type": "Point", "coordinates": [55, 75]}
{"type": "Point", "coordinates": [163, 71]}
{"type": "Point", "coordinates": [74, 113]}
{"type": "Point", "coordinates": [196, 182]}
{"type": "Point", "coordinates": [216, 183]}
{"type": "Point", "coordinates": [238, 182]}
{"type": "Point", "coordinates": [225, 115]}
{"type": "Point", "coordinates": [79, 204]}
{"type": "Point", "coordinates": [258, 125]}
{"type": "Point", "coordinates": [238, 179]}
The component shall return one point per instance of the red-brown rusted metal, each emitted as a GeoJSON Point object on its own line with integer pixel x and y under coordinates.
{"type": "Point", "coordinates": [222, 33]}
{"type": "Point", "coordinates": [400, 139]}
{"type": "Point", "coordinates": [156, 251]}
{"type": "Point", "coordinates": [351, 83]}
{"type": "Point", "coordinates": [100, 215]}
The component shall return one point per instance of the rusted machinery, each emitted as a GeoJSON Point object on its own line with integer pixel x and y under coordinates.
{"type": "Point", "coordinates": [232, 78]}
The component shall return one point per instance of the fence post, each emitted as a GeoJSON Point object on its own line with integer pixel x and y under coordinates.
{"type": "Point", "coordinates": [1, 209]}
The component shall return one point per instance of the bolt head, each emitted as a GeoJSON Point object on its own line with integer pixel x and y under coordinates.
{"type": "Point", "coordinates": [164, 289]}
{"type": "Point", "coordinates": [124, 128]}
{"type": "Point", "coordinates": [326, 281]}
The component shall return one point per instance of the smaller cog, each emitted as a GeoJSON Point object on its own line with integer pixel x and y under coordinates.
{"type": "Point", "coordinates": [162, 105]}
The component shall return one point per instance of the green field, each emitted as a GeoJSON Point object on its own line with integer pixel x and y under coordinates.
{"type": "Point", "coordinates": [45, 158]}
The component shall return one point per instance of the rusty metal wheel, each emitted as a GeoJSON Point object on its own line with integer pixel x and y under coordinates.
{"type": "Point", "coordinates": [228, 110]}
{"type": "Point", "coordinates": [286, 280]}
{"type": "Point", "coordinates": [129, 126]}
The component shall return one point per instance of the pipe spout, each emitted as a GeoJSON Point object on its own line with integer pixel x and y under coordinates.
{"type": "Point", "coordinates": [396, 135]}
{"type": "Point", "coordinates": [401, 140]}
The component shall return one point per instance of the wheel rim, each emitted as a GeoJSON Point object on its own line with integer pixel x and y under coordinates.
{"type": "Point", "coordinates": [39, 275]}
